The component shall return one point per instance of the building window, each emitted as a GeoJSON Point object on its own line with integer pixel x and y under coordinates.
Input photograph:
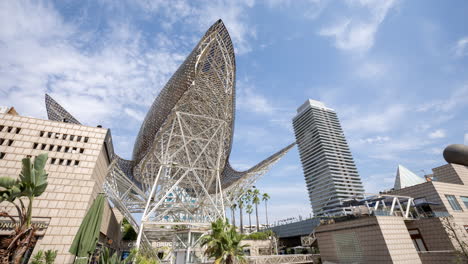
{"type": "Point", "coordinates": [43, 146]}
{"type": "Point", "coordinates": [35, 145]}
{"type": "Point", "coordinates": [67, 149]}
{"type": "Point", "coordinates": [81, 150]}
{"type": "Point", "coordinates": [1, 141]}
{"type": "Point", "coordinates": [61, 161]}
{"type": "Point", "coordinates": [464, 200]}
{"type": "Point", "coordinates": [64, 136]}
{"type": "Point", "coordinates": [41, 134]}
{"type": "Point", "coordinates": [2, 155]}
{"type": "Point", "coordinates": [1, 128]}
{"type": "Point", "coordinates": [59, 148]}
{"type": "Point", "coordinates": [417, 240]}
{"type": "Point", "coordinates": [18, 130]}
{"type": "Point", "coordinates": [52, 161]}
{"type": "Point", "coordinates": [78, 139]}
{"type": "Point", "coordinates": [77, 162]}
{"type": "Point", "coordinates": [51, 147]}
{"type": "Point", "coordinates": [453, 202]}
{"type": "Point", "coordinates": [49, 134]}
{"type": "Point", "coordinates": [10, 142]}
{"type": "Point", "coordinates": [9, 129]}
{"type": "Point", "coordinates": [72, 137]}
{"type": "Point", "coordinates": [86, 139]}
{"type": "Point", "coordinates": [69, 162]}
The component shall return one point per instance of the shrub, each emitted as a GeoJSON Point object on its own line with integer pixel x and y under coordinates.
{"type": "Point", "coordinates": [259, 235]}
{"type": "Point", "coordinates": [129, 233]}
{"type": "Point", "coordinates": [47, 257]}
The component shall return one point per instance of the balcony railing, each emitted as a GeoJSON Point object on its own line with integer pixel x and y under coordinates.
{"type": "Point", "coordinates": [277, 259]}
{"type": "Point", "coordinates": [280, 259]}
{"type": "Point", "coordinates": [434, 214]}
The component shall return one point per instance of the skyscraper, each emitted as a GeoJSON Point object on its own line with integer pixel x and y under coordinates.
{"type": "Point", "coordinates": [329, 170]}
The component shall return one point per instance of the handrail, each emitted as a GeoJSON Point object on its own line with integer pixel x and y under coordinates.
{"type": "Point", "coordinates": [274, 259]}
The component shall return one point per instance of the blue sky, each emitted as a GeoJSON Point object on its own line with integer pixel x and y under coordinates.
{"type": "Point", "coordinates": [395, 71]}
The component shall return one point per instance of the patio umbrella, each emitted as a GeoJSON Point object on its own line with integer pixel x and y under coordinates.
{"type": "Point", "coordinates": [85, 240]}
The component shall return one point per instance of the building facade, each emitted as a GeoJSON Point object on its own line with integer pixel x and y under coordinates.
{"type": "Point", "coordinates": [77, 165]}
{"type": "Point", "coordinates": [428, 224]}
{"type": "Point", "coordinates": [329, 170]}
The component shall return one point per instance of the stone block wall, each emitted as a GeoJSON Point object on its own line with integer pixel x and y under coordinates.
{"type": "Point", "coordinates": [382, 239]}
{"type": "Point", "coordinates": [77, 166]}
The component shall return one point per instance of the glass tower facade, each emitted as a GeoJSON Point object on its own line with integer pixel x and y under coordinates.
{"type": "Point", "coordinates": [329, 170]}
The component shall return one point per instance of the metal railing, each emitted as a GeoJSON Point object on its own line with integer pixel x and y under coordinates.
{"type": "Point", "coordinates": [436, 252]}
{"type": "Point", "coordinates": [434, 214]}
{"type": "Point", "coordinates": [277, 259]}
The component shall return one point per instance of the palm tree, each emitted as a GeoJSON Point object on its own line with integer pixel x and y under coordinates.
{"type": "Point", "coordinates": [233, 213]}
{"type": "Point", "coordinates": [32, 183]}
{"type": "Point", "coordinates": [240, 204]}
{"type": "Point", "coordinates": [265, 198]}
{"type": "Point", "coordinates": [247, 198]}
{"type": "Point", "coordinates": [249, 210]}
{"type": "Point", "coordinates": [256, 201]}
{"type": "Point", "coordinates": [223, 244]}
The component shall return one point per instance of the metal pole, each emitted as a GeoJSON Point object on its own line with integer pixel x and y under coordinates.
{"type": "Point", "coordinates": [143, 218]}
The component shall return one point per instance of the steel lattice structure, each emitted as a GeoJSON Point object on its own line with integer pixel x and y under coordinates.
{"type": "Point", "coordinates": [180, 172]}
{"type": "Point", "coordinates": [57, 113]}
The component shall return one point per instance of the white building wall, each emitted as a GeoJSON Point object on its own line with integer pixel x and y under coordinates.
{"type": "Point", "coordinates": [328, 165]}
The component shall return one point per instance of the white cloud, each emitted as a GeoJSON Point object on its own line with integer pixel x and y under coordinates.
{"type": "Point", "coordinates": [233, 14]}
{"type": "Point", "coordinates": [371, 70]}
{"type": "Point", "coordinates": [139, 116]}
{"type": "Point", "coordinates": [466, 139]}
{"type": "Point", "coordinates": [201, 15]}
{"type": "Point", "coordinates": [461, 48]}
{"type": "Point", "coordinates": [310, 9]}
{"type": "Point", "coordinates": [252, 101]}
{"type": "Point", "coordinates": [248, 99]}
{"type": "Point", "coordinates": [394, 149]}
{"type": "Point", "coordinates": [457, 98]}
{"type": "Point", "coordinates": [281, 205]}
{"type": "Point", "coordinates": [436, 151]}
{"type": "Point", "coordinates": [376, 139]}
{"type": "Point", "coordinates": [380, 120]}
{"type": "Point", "coordinates": [378, 182]}
{"type": "Point", "coordinates": [260, 140]}
{"type": "Point", "coordinates": [41, 53]}
{"type": "Point", "coordinates": [439, 133]}
{"type": "Point", "coordinates": [284, 191]}
{"type": "Point", "coordinates": [358, 33]}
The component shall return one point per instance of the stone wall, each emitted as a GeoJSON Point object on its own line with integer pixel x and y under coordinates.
{"type": "Point", "coordinates": [451, 173]}
{"type": "Point", "coordinates": [373, 239]}
{"type": "Point", "coordinates": [258, 247]}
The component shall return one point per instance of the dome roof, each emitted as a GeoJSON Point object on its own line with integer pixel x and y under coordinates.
{"type": "Point", "coordinates": [457, 154]}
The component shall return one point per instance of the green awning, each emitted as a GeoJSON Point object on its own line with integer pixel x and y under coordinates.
{"type": "Point", "coordinates": [85, 240]}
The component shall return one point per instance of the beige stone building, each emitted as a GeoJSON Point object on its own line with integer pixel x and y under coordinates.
{"type": "Point", "coordinates": [428, 223]}
{"type": "Point", "coordinates": [78, 159]}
